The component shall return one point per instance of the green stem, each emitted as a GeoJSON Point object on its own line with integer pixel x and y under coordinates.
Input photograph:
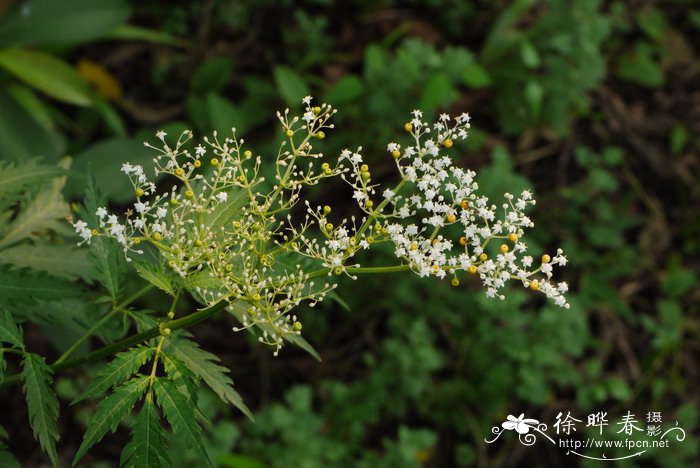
{"type": "Point", "coordinates": [101, 322]}
{"type": "Point", "coordinates": [85, 336]}
{"type": "Point", "coordinates": [108, 350]}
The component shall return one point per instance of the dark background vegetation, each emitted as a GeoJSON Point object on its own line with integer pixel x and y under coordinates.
{"type": "Point", "coordinates": [595, 106]}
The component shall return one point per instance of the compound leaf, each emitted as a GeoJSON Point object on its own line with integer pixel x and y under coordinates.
{"type": "Point", "coordinates": [204, 365]}
{"type": "Point", "coordinates": [180, 413]}
{"type": "Point", "coordinates": [123, 366]}
{"type": "Point", "coordinates": [111, 411]}
{"type": "Point", "coordinates": [41, 403]}
{"type": "Point", "coordinates": [147, 448]}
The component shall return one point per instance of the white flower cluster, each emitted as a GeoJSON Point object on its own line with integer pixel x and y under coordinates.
{"type": "Point", "coordinates": [444, 226]}
{"type": "Point", "coordinates": [229, 236]}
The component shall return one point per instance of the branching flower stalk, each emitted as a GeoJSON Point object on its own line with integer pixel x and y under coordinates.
{"type": "Point", "coordinates": [231, 240]}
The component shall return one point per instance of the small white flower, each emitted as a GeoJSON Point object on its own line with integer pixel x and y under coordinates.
{"type": "Point", "coordinates": [222, 196]}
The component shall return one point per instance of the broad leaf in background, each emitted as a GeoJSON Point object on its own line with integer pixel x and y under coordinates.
{"type": "Point", "coordinates": [105, 160]}
{"type": "Point", "coordinates": [41, 402]}
{"type": "Point", "coordinates": [290, 85]}
{"type": "Point", "coordinates": [22, 136]}
{"type": "Point", "coordinates": [31, 22]}
{"type": "Point", "coordinates": [48, 74]}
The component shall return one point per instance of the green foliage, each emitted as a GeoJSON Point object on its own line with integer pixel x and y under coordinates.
{"type": "Point", "coordinates": [204, 366]}
{"type": "Point", "coordinates": [105, 254]}
{"type": "Point", "coordinates": [47, 74]}
{"type": "Point", "coordinates": [121, 368]}
{"type": "Point", "coordinates": [46, 212]}
{"type": "Point", "coordinates": [156, 275]}
{"type": "Point", "coordinates": [545, 72]}
{"type": "Point", "coordinates": [291, 86]}
{"type": "Point", "coordinates": [9, 331]}
{"type": "Point", "coordinates": [27, 287]}
{"type": "Point", "coordinates": [71, 21]}
{"type": "Point", "coordinates": [413, 375]}
{"type": "Point", "coordinates": [66, 262]}
{"type": "Point", "coordinates": [41, 403]}
{"type": "Point", "coordinates": [15, 178]}
{"type": "Point", "coordinates": [179, 410]}
{"type": "Point", "coordinates": [147, 447]}
{"type": "Point", "coordinates": [111, 411]}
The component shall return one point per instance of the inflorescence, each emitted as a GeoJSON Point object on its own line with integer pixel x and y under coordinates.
{"type": "Point", "coordinates": [231, 237]}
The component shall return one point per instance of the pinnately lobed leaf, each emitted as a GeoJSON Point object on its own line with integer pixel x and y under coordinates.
{"type": "Point", "coordinates": [154, 275]}
{"type": "Point", "coordinates": [41, 403]}
{"type": "Point", "coordinates": [204, 365]}
{"type": "Point", "coordinates": [111, 411]}
{"type": "Point", "coordinates": [62, 261]}
{"type": "Point", "coordinates": [147, 448]}
{"type": "Point", "coordinates": [46, 212]}
{"type": "Point", "coordinates": [180, 413]}
{"type": "Point", "coordinates": [14, 178]}
{"type": "Point", "coordinates": [26, 287]}
{"type": "Point", "coordinates": [104, 253]}
{"type": "Point", "coordinates": [123, 366]}
{"type": "Point", "coordinates": [9, 332]}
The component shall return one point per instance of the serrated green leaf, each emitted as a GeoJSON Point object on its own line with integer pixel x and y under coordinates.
{"type": "Point", "coordinates": [121, 368]}
{"type": "Point", "coordinates": [9, 331]}
{"type": "Point", "coordinates": [15, 178]}
{"type": "Point", "coordinates": [180, 375]}
{"type": "Point", "coordinates": [41, 403]}
{"type": "Point", "coordinates": [106, 257]}
{"type": "Point", "coordinates": [62, 261]}
{"type": "Point", "coordinates": [205, 366]}
{"type": "Point", "coordinates": [25, 287]}
{"type": "Point", "coordinates": [180, 413]}
{"type": "Point", "coordinates": [201, 279]}
{"type": "Point", "coordinates": [147, 447]}
{"type": "Point", "coordinates": [105, 253]}
{"type": "Point", "coordinates": [46, 212]}
{"type": "Point", "coordinates": [48, 74]}
{"type": "Point", "coordinates": [154, 275]}
{"type": "Point", "coordinates": [111, 411]}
